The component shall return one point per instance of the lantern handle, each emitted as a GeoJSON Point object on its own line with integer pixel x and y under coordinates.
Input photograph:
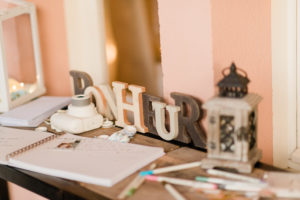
{"type": "Point", "coordinates": [233, 68]}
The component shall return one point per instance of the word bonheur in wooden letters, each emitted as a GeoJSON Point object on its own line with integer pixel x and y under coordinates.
{"type": "Point", "coordinates": [149, 112]}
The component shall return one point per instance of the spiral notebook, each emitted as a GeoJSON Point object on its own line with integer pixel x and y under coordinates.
{"type": "Point", "coordinates": [90, 160]}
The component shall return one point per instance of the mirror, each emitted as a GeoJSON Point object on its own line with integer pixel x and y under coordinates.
{"type": "Point", "coordinates": [18, 46]}
{"type": "Point", "coordinates": [21, 75]}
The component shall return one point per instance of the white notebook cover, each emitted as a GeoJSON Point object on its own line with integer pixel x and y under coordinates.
{"type": "Point", "coordinates": [33, 113]}
{"type": "Point", "coordinates": [93, 160]}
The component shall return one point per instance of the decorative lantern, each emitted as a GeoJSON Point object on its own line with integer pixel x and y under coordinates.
{"type": "Point", "coordinates": [232, 125]}
{"type": "Point", "coordinates": [21, 75]}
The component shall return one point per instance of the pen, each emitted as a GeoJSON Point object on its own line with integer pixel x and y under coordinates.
{"type": "Point", "coordinates": [234, 176]}
{"type": "Point", "coordinates": [243, 187]}
{"type": "Point", "coordinates": [224, 181]}
{"type": "Point", "coordinates": [215, 180]}
{"type": "Point", "coordinates": [233, 185]}
{"type": "Point", "coordinates": [184, 182]}
{"type": "Point", "coordinates": [171, 168]}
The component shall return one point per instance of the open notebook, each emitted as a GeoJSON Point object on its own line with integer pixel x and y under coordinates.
{"type": "Point", "coordinates": [90, 160]}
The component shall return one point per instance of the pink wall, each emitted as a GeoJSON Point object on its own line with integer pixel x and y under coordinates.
{"type": "Point", "coordinates": [200, 38]}
{"type": "Point", "coordinates": [53, 42]}
{"type": "Point", "coordinates": [186, 44]}
{"type": "Point", "coordinates": [19, 49]}
{"type": "Point", "coordinates": [241, 31]}
{"type": "Point", "coordinates": [52, 31]}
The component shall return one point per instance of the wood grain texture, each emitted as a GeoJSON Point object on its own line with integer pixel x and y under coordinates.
{"type": "Point", "coordinates": [149, 114]}
{"type": "Point", "coordinates": [190, 117]}
{"type": "Point", "coordinates": [137, 139]}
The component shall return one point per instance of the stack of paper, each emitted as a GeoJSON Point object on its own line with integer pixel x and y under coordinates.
{"type": "Point", "coordinates": [34, 112]}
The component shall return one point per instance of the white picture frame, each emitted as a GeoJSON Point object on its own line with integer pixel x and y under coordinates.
{"type": "Point", "coordinates": [22, 7]}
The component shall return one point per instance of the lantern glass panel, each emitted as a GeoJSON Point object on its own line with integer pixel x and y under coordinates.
{"type": "Point", "coordinates": [227, 140]}
{"type": "Point", "coordinates": [19, 56]}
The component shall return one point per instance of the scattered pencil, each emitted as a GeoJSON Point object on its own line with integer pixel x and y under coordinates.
{"type": "Point", "coordinates": [233, 176]}
{"type": "Point", "coordinates": [184, 182]}
{"type": "Point", "coordinates": [231, 185]}
{"type": "Point", "coordinates": [173, 192]}
{"type": "Point", "coordinates": [171, 168]}
{"type": "Point", "coordinates": [243, 187]}
{"type": "Point", "coordinates": [215, 180]}
{"type": "Point", "coordinates": [134, 185]}
{"type": "Point", "coordinates": [225, 181]}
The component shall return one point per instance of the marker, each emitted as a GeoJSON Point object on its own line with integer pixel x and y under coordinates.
{"type": "Point", "coordinates": [171, 168]}
{"type": "Point", "coordinates": [216, 180]}
{"type": "Point", "coordinates": [233, 176]}
{"type": "Point", "coordinates": [243, 187]}
{"type": "Point", "coordinates": [134, 185]}
{"type": "Point", "coordinates": [184, 182]}
{"type": "Point", "coordinates": [233, 185]}
{"type": "Point", "coordinates": [224, 181]}
{"type": "Point", "coordinates": [173, 192]}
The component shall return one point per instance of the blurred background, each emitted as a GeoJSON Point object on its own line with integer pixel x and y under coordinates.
{"type": "Point", "coordinates": [164, 45]}
{"type": "Point", "coordinates": [133, 43]}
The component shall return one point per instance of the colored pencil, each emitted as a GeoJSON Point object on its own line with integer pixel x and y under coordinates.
{"type": "Point", "coordinates": [233, 176]}
{"type": "Point", "coordinates": [173, 192]}
{"type": "Point", "coordinates": [184, 182]}
{"type": "Point", "coordinates": [134, 185]}
{"type": "Point", "coordinates": [171, 168]}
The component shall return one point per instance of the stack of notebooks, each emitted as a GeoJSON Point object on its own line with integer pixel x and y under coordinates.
{"type": "Point", "coordinates": [91, 160]}
{"type": "Point", "coordinates": [33, 113]}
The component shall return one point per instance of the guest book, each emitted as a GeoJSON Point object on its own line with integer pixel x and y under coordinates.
{"type": "Point", "coordinates": [91, 160]}
{"type": "Point", "coordinates": [33, 113]}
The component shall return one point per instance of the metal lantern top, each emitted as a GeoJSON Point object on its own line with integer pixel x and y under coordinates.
{"type": "Point", "coordinates": [233, 85]}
